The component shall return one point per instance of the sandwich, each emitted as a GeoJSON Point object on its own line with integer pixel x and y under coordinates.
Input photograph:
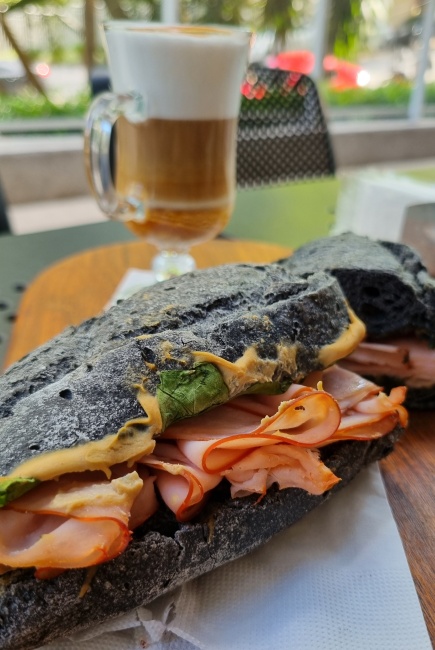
{"type": "Point", "coordinates": [391, 291]}
{"type": "Point", "coordinates": [174, 433]}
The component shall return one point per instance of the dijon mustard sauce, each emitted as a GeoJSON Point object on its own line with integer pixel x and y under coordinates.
{"type": "Point", "coordinates": [248, 369]}
{"type": "Point", "coordinates": [126, 445]}
{"type": "Point", "coordinates": [136, 437]}
{"type": "Point", "coordinates": [345, 344]}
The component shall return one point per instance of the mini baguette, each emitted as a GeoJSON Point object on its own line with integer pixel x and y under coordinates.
{"type": "Point", "coordinates": [202, 301]}
{"type": "Point", "coordinates": [82, 387]}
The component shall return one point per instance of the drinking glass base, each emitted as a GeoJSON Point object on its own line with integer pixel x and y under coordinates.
{"type": "Point", "coordinates": [169, 264]}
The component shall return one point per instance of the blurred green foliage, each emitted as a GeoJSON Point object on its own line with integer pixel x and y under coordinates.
{"type": "Point", "coordinates": [391, 94]}
{"type": "Point", "coordinates": [73, 54]}
{"type": "Point", "coordinates": [30, 104]}
{"type": "Point", "coordinates": [345, 27]}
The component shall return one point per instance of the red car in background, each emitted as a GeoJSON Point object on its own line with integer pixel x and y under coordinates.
{"type": "Point", "coordinates": [342, 74]}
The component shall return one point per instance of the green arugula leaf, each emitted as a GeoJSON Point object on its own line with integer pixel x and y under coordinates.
{"type": "Point", "coordinates": [183, 393]}
{"type": "Point", "coordinates": [12, 488]}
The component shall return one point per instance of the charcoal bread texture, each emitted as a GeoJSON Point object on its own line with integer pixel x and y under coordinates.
{"type": "Point", "coordinates": [165, 554]}
{"type": "Point", "coordinates": [386, 283]}
{"type": "Point", "coordinates": [82, 386]}
{"type": "Point", "coordinates": [192, 300]}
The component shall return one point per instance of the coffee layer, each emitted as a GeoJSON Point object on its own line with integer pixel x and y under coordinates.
{"type": "Point", "coordinates": [176, 163]}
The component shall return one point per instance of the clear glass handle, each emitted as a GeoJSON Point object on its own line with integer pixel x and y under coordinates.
{"type": "Point", "coordinates": [102, 115]}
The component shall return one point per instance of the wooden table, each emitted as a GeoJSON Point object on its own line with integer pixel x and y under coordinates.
{"type": "Point", "coordinates": [79, 286]}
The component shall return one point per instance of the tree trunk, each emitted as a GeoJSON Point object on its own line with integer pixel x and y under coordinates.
{"type": "Point", "coordinates": [115, 10]}
{"type": "Point", "coordinates": [32, 78]}
{"type": "Point", "coordinates": [89, 24]}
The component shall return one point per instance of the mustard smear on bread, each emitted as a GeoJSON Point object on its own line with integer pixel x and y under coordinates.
{"type": "Point", "coordinates": [345, 344]}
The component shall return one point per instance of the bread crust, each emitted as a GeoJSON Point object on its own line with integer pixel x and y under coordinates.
{"type": "Point", "coordinates": [386, 283]}
{"type": "Point", "coordinates": [387, 286]}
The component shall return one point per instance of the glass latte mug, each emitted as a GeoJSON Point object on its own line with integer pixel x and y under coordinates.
{"type": "Point", "coordinates": [175, 100]}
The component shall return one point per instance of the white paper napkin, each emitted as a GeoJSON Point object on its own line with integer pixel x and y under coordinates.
{"type": "Point", "coordinates": [133, 280]}
{"type": "Point", "coordinates": [337, 580]}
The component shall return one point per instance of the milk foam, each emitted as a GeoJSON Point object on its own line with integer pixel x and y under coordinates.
{"type": "Point", "coordinates": [180, 75]}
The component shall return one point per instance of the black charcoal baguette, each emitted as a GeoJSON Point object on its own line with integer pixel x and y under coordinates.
{"type": "Point", "coordinates": [82, 386]}
{"type": "Point", "coordinates": [386, 283]}
{"type": "Point", "coordinates": [35, 612]}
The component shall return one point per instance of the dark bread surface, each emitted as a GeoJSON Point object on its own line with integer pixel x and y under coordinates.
{"type": "Point", "coordinates": [192, 300]}
{"type": "Point", "coordinates": [386, 283]}
{"type": "Point", "coordinates": [165, 554]}
{"type": "Point", "coordinates": [80, 386]}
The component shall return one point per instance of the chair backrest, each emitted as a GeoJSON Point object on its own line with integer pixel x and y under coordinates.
{"type": "Point", "coordinates": [283, 135]}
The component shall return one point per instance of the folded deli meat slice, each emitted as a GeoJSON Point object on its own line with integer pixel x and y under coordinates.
{"type": "Point", "coordinates": [230, 442]}
{"type": "Point", "coordinates": [181, 484]}
{"type": "Point", "coordinates": [253, 441]}
{"type": "Point", "coordinates": [216, 439]}
{"type": "Point", "coordinates": [367, 412]}
{"type": "Point", "coordinates": [409, 359]}
{"type": "Point", "coordinates": [70, 523]}
{"type": "Point", "coordinates": [286, 465]}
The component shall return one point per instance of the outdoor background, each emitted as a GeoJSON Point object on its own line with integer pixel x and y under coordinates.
{"type": "Point", "coordinates": [365, 54]}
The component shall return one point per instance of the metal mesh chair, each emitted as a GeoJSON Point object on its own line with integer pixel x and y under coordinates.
{"type": "Point", "coordinates": [282, 133]}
